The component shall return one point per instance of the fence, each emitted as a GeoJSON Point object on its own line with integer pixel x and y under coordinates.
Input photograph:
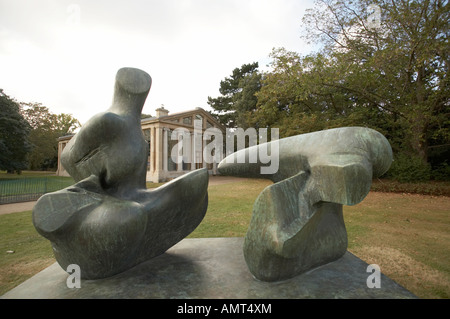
{"type": "Point", "coordinates": [29, 189]}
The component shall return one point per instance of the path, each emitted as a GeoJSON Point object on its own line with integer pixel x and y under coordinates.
{"type": "Point", "coordinates": [16, 207]}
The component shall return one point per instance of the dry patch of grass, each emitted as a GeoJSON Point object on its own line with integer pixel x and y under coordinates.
{"type": "Point", "coordinates": [21, 270]}
{"type": "Point", "coordinates": [408, 236]}
{"type": "Point", "coordinates": [425, 281]}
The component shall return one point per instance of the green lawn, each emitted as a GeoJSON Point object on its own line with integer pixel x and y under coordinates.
{"type": "Point", "coordinates": [408, 236]}
{"type": "Point", "coordinates": [33, 185]}
{"type": "Point", "coordinates": [23, 251]}
{"type": "Point", "coordinates": [29, 185]}
{"type": "Point", "coordinates": [229, 209]}
{"type": "Point", "coordinates": [26, 174]}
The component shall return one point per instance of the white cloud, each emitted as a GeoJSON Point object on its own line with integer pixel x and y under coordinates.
{"type": "Point", "coordinates": [67, 59]}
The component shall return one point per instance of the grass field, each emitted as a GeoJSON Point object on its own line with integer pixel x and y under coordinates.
{"type": "Point", "coordinates": [29, 186]}
{"type": "Point", "coordinates": [25, 174]}
{"type": "Point", "coordinates": [407, 235]}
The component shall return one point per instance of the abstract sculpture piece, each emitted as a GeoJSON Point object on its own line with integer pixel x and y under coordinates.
{"type": "Point", "coordinates": [108, 221]}
{"type": "Point", "coordinates": [297, 222]}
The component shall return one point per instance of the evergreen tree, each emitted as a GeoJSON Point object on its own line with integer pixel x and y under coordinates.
{"type": "Point", "coordinates": [237, 99]}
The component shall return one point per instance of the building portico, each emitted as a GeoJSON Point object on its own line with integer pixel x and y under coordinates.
{"type": "Point", "coordinates": [160, 132]}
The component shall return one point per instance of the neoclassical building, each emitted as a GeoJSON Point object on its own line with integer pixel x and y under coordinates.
{"type": "Point", "coordinates": [159, 133]}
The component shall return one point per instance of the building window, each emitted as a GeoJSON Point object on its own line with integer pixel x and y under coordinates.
{"type": "Point", "coordinates": [186, 166]}
{"type": "Point", "coordinates": [187, 120]}
{"type": "Point", "coordinates": [209, 124]}
{"type": "Point", "coordinates": [171, 165]}
{"type": "Point", "coordinates": [147, 137]}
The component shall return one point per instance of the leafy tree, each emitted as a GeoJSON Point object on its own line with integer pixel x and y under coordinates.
{"type": "Point", "coordinates": [46, 129]}
{"type": "Point", "coordinates": [398, 65]}
{"type": "Point", "coordinates": [304, 94]}
{"type": "Point", "coordinates": [237, 98]}
{"type": "Point", "coordinates": [14, 131]}
{"type": "Point", "coordinates": [289, 98]}
{"type": "Point", "coordinates": [390, 75]}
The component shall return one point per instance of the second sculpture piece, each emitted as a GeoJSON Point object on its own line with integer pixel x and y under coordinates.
{"type": "Point", "coordinates": [297, 223]}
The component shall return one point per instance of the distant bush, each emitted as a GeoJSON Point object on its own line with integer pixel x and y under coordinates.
{"type": "Point", "coordinates": [433, 188]}
{"type": "Point", "coordinates": [409, 169]}
{"type": "Point", "coordinates": [441, 172]}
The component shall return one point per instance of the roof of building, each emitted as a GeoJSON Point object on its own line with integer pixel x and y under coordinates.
{"type": "Point", "coordinates": [167, 118]}
{"type": "Point", "coordinates": [171, 116]}
{"type": "Point", "coordinates": [66, 137]}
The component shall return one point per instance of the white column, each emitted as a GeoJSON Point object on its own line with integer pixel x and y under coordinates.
{"type": "Point", "coordinates": [214, 170]}
{"type": "Point", "coordinates": [180, 152]}
{"type": "Point", "coordinates": [165, 149]}
{"type": "Point", "coordinates": [192, 152]}
{"type": "Point", "coordinates": [198, 137]}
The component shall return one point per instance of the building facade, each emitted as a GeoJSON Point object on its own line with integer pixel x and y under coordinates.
{"type": "Point", "coordinates": [159, 132]}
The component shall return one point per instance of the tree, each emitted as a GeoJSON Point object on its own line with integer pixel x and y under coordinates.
{"type": "Point", "coordinates": [383, 64]}
{"type": "Point", "coordinates": [398, 65]}
{"type": "Point", "coordinates": [46, 128]}
{"type": "Point", "coordinates": [14, 131]}
{"type": "Point", "coordinates": [287, 99]}
{"type": "Point", "coordinates": [295, 96]}
{"type": "Point", "coordinates": [238, 97]}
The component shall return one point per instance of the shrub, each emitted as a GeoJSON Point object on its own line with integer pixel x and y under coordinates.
{"type": "Point", "coordinates": [441, 172]}
{"type": "Point", "coordinates": [407, 169]}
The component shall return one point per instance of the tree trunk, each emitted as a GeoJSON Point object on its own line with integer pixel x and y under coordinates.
{"type": "Point", "coordinates": [418, 129]}
{"type": "Point", "coordinates": [419, 123]}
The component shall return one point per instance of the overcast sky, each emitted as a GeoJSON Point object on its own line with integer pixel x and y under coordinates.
{"type": "Point", "coordinates": [65, 54]}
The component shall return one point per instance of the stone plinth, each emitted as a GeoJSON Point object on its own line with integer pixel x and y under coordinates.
{"type": "Point", "coordinates": [212, 268]}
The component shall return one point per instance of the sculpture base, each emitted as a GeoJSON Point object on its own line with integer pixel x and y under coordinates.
{"type": "Point", "coordinates": [211, 268]}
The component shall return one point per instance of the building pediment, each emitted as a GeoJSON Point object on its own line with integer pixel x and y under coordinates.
{"type": "Point", "coordinates": [184, 119]}
{"type": "Point", "coordinates": [157, 131]}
